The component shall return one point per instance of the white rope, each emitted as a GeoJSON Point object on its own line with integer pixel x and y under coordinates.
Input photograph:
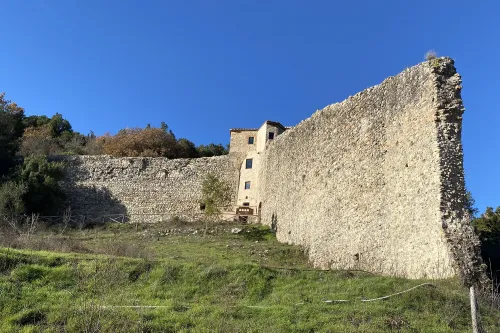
{"type": "Point", "coordinates": [267, 307]}
{"type": "Point", "coordinates": [375, 299]}
{"type": "Point", "coordinates": [380, 298]}
{"type": "Point", "coordinates": [134, 306]}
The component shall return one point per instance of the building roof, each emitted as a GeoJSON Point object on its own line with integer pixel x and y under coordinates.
{"type": "Point", "coordinates": [274, 123]}
{"type": "Point", "coordinates": [269, 122]}
{"type": "Point", "coordinates": [242, 129]}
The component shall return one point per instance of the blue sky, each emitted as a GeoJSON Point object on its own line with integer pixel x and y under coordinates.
{"type": "Point", "coordinates": [206, 66]}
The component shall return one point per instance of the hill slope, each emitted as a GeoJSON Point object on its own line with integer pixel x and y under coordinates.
{"type": "Point", "coordinates": [220, 282]}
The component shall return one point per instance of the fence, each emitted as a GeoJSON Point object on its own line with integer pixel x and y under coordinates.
{"type": "Point", "coordinates": [83, 220]}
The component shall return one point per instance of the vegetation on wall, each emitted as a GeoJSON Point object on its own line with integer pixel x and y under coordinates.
{"type": "Point", "coordinates": [215, 196]}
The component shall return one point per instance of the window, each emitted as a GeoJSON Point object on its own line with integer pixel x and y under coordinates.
{"type": "Point", "coordinates": [271, 135]}
{"type": "Point", "coordinates": [250, 140]}
{"type": "Point", "coordinates": [247, 185]}
{"type": "Point", "coordinates": [246, 204]}
{"type": "Point", "coordinates": [248, 164]}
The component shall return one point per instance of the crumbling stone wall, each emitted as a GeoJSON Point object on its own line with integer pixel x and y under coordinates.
{"type": "Point", "coordinates": [375, 182]}
{"type": "Point", "coordinates": [99, 185]}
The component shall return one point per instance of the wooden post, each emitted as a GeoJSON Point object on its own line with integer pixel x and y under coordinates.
{"type": "Point", "coordinates": [476, 323]}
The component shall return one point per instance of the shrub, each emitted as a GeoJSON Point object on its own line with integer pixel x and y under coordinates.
{"type": "Point", "coordinates": [147, 142]}
{"type": "Point", "coordinates": [211, 150]}
{"type": "Point", "coordinates": [488, 224]}
{"type": "Point", "coordinates": [431, 54]}
{"type": "Point", "coordinates": [11, 198]}
{"type": "Point", "coordinates": [11, 129]}
{"type": "Point", "coordinates": [216, 194]}
{"type": "Point", "coordinates": [41, 177]}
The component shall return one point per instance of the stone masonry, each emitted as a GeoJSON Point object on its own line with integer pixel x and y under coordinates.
{"type": "Point", "coordinates": [161, 187]}
{"type": "Point", "coordinates": [374, 182]}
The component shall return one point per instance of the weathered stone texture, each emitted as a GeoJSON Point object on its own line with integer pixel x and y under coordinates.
{"type": "Point", "coordinates": [138, 185]}
{"type": "Point", "coordinates": [362, 183]}
{"type": "Point", "coordinates": [374, 182]}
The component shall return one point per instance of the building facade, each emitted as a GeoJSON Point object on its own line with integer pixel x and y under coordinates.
{"type": "Point", "coordinates": [246, 147]}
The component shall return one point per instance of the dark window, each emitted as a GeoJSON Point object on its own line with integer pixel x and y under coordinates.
{"type": "Point", "coordinates": [248, 164]}
{"type": "Point", "coordinates": [271, 135]}
{"type": "Point", "coordinates": [247, 185]}
{"type": "Point", "coordinates": [250, 140]}
{"type": "Point", "coordinates": [246, 204]}
{"type": "Point", "coordinates": [202, 206]}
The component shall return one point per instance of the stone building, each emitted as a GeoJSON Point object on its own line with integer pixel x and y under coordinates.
{"type": "Point", "coordinates": [374, 182]}
{"type": "Point", "coordinates": [247, 145]}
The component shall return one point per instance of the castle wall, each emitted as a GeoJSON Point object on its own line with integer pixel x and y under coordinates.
{"type": "Point", "coordinates": [374, 182]}
{"type": "Point", "coordinates": [99, 185]}
{"type": "Point", "coordinates": [359, 183]}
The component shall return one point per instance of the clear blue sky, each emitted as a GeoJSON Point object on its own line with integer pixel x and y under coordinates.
{"type": "Point", "coordinates": [206, 66]}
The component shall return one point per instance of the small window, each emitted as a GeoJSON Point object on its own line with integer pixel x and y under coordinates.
{"type": "Point", "coordinates": [250, 140]}
{"type": "Point", "coordinates": [202, 206]}
{"type": "Point", "coordinates": [246, 204]}
{"type": "Point", "coordinates": [247, 185]}
{"type": "Point", "coordinates": [248, 164]}
{"type": "Point", "coordinates": [271, 135]}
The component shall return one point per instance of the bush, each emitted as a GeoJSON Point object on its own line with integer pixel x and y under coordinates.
{"type": "Point", "coordinates": [211, 150]}
{"type": "Point", "coordinates": [148, 142]}
{"type": "Point", "coordinates": [11, 198]}
{"type": "Point", "coordinates": [216, 194]}
{"type": "Point", "coordinates": [431, 54]}
{"type": "Point", "coordinates": [488, 224]}
{"type": "Point", "coordinates": [11, 129]}
{"type": "Point", "coordinates": [43, 194]}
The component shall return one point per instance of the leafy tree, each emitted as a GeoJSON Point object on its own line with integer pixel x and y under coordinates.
{"type": "Point", "coordinates": [216, 195]}
{"type": "Point", "coordinates": [151, 142]}
{"type": "Point", "coordinates": [11, 198]}
{"type": "Point", "coordinates": [59, 125]}
{"type": "Point", "coordinates": [43, 194]}
{"type": "Point", "coordinates": [39, 141]}
{"type": "Point", "coordinates": [187, 149]}
{"type": "Point", "coordinates": [470, 204]}
{"type": "Point", "coordinates": [35, 121]}
{"type": "Point", "coordinates": [211, 150]}
{"type": "Point", "coordinates": [488, 224]}
{"type": "Point", "coordinates": [11, 130]}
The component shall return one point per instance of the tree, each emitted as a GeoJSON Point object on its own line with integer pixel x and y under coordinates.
{"type": "Point", "coordinates": [147, 142]}
{"type": "Point", "coordinates": [35, 121]}
{"type": "Point", "coordinates": [59, 125]}
{"type": "Point", "coordinates": [11, 130]}
{"type": "Point", "coordinates": [488, 224]}
{"type": "Point", "coordinates": [39, 141]}
{"type": "Point", "coordinates": [11, 198]}
{"type": "Point", "coordinates": [187, 149]}
{"type": "Point", "coordinates": [469, 204]}
{"type": "Point", "coordinates": [216, 195]}
{"type": "Point", "coordinates": [211, 150]}
{"type": "Point", "coordinates": [41, 178]}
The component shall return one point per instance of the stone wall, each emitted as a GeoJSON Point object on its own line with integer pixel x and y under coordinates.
{"type": "Point", "coordinates": [369, 183]}
{"type": "Point", "coordinates": [374, 182]}
{"type": "Point", "coordinates": [137, 185]}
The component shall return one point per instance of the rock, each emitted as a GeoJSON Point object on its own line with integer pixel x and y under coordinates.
{"type": "Point", "coordinates": [236, 230]}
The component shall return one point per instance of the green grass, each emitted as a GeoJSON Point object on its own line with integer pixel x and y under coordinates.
{"type": "Point", "coordinates": [215, 283]}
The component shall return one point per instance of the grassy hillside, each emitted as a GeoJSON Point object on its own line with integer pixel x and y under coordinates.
{"type": "Point", "coordinates": [218, 282]}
